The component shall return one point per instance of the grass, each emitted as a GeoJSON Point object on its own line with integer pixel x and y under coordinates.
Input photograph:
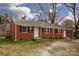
{"type": "Point", "coordinates": [7, 41]}
{"type": "Point", "coordinates": [17, 48]}
{"type": "Point", "coordinates": [20, 48]}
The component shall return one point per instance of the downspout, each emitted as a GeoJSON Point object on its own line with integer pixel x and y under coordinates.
{"type": "Point", "coordinates": [53, 32]}
{"type": "Point", "coordinates": [15, 33]}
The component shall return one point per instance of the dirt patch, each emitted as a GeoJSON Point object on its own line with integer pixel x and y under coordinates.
{"type": "Point", "coordinates": [59, 49]}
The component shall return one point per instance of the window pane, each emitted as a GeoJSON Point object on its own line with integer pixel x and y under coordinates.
{"type": "Point", "coordinates": [61, 31]}
{"type": "Point", "coordinates": [47, 30]}
{"type": "Point", "coordinates": [24, 29]}
{"type": "Point", "coordinates": [43, 29]}
{"type": "Point", "coordinates": [56, 30]}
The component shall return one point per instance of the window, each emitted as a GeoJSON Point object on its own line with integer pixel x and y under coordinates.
{"type": "Point", "coordinates": [46, 30]}
{"type": "Point", "coordinates": [61, 31]}
{"type": "Point", "coordinates": [69, 31]}
{"type": "Point", "coordinates": [58, 31]}
{"type": "Point", "coordinates": [43, 29]}
{"type": "Point", "coordinates": [24, 29]}
{"type": "Point", "coordinates": [50, 30]}
{"type": "Point", "coordinates": [66, 31]}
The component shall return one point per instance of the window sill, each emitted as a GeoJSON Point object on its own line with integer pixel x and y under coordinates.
{"type": "Point", "coordinates": [46, 33]}
{"type": "Point", "coordinates": [23, 32]}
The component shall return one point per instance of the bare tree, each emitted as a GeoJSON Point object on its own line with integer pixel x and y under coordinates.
{"type": "Point", "coordinates": [4, 21]}
{"type": "Point", "coordinates": [42, 12]}
{"type": "Point", "coordinates": [53, 14]}
{"type": "Point", "coordinates": [68, 23]}
{"type": "Point", "coordinates": [74, 9]}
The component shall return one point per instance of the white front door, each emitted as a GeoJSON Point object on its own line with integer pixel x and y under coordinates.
{"type": "Point", "coordinates": [64, 33]}
{"type": "Point", "coordinates": [36, 32]}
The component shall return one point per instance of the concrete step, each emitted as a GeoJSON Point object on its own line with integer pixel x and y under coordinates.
{"type": "Point", "coordinates": [37, 38]}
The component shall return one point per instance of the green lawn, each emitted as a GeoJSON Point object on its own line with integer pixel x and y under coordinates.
{"type": "Point", "coordinates": [24, 47]}
{"type": "Point", "coordinates": [35, 48]}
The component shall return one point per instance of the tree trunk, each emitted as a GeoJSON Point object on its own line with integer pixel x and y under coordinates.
{"type": "Point", "coordinates": [76, 26]}
{"type": "Point", "coordinates": [76, 32]}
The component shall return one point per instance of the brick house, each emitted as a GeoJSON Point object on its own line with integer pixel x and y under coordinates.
{"type": "Point", "coordinates": [28, 30]}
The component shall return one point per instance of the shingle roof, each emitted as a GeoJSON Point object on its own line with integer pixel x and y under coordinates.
{"type": "Point", "coordinates": [24, 22]}
{"type": "Point", "coordinates": [32, 23]}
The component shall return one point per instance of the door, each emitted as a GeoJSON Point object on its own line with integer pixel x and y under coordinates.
{"type": "Point", "coordinates": [64, 33]}
{"type": "Point", "coordinates": [36, 32]}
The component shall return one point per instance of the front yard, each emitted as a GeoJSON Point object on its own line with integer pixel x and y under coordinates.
{"type": "Point", "coordinates": [38, 48]}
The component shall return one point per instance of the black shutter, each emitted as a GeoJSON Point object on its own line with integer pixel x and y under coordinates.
{"type": "Point", "coordinates": [50, 30]}
{"type": "Point", "coordinates": [28, 29]}
{"type": "Point", "coordinates": [20, 28]}
{"type": "Point", "coordinates": [56, 30]}
{"type": "Point", "coordinates": [42, 30]}
{"type": "Point", "coordinates": [32, 28]}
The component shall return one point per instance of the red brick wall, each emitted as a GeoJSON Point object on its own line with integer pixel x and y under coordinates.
{"type": "Point", "coordinates": [30, 35]}
{"type": "Point", "coordinates": [59, 35]}
{"type": "Point", "coordinates": [45, 36]}
{"type": "Point", "coordinates": [20, 35]}
{"type": "Point", "coordinates": [70, 35]}
{"type": "Point", "coordinates": [24, 35]}
{"type": "Point", "coordinates": [52, 35]}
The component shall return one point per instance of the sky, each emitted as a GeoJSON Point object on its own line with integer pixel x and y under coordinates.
{"type": "Point", "coordinates": [30, 9]}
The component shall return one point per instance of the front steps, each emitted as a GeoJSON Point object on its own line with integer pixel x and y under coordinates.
{"type": "Point", "coordinates": [37, 38]}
